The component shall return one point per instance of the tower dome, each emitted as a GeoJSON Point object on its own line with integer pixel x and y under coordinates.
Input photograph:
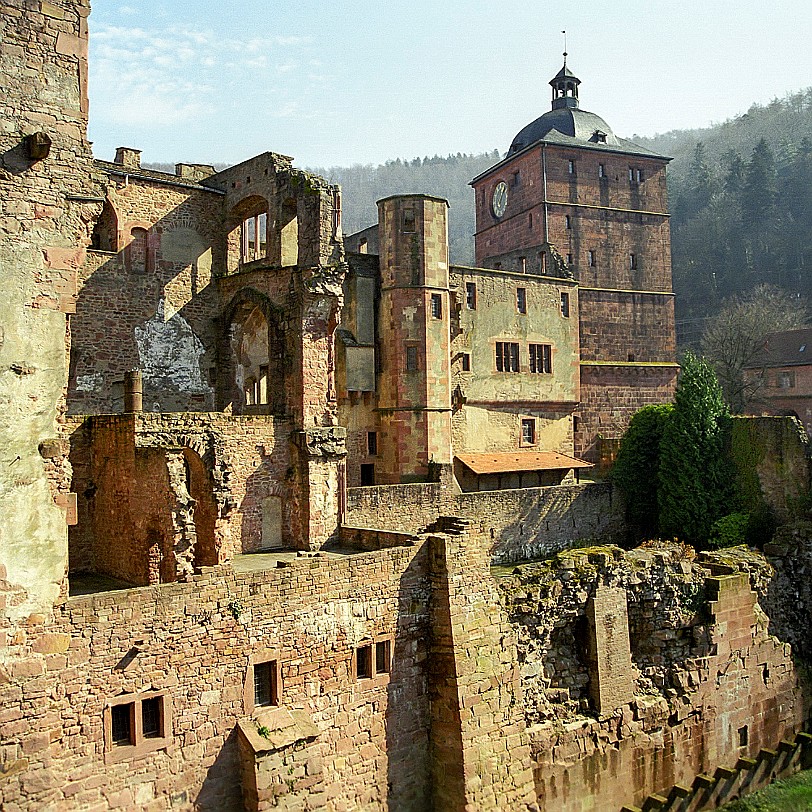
{"type": "Point", "coordinates": [566, 118]}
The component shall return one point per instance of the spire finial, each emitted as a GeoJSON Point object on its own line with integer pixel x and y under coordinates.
{"type": "Point", "coordinates": [565, 48]}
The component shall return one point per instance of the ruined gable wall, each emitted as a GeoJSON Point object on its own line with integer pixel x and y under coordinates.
{"type": "Point", "coordinates": [45, 221]}
{"type": "Point", "coordinates": [153, 312]}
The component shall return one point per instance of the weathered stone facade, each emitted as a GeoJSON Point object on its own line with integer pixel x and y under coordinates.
{"type": "Point", "coordinates": [195, 612]}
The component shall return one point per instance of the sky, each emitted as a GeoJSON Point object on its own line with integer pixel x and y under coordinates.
{"type": "Point", "coordinates": [343, 82]}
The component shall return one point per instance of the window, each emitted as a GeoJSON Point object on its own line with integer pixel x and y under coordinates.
{"type": "Point", "coordinates": [517, 178]}
{"type": "Point", "coordinates": [123, 724]}
{"type": "Point", "coordinates": [523, 264]}
{"type": "Point", "coordinates": [152, 717]}
{"type": "Point", "coordinates": [253, 237]}
{"type": "Point", "coordinates": [507, 356]}
{"type": "Point", "coordinates": [383, 656]}
{"type": "Point", "coordinates": [638, 175]}
{"type": "Point", "coordinates": [408, 221]}
{"type": "Point", "coordinates": [541, 358]}
{"type": "Point", "coordinates": [470, 295]}
{"type": "Point", "coordinates": [601, 170]}
{"type": "Point", "coordinates": [571, 167]}
{"type": "Point", "coordinates": [363, 246]}
{"type": "Point", "coordinates": [336, 213]}
{"type": "Point", "coordinates": [590, 258]}
{"type": "Point", "coordinates": [631, 175]}
{"type": "Point", "coordinates": [633, 262]}
{"type": "Point", "coordinates": [786, 380]}
{"type": "Point", "coordinates": [411, 359]}
{"type": "Point", "coordinates": [521, 300]}
{"type": "Point", "coordinates": [565, 304]}
{"type": "Point", "coordinates": [367, 474]}
{"type": "Point", "coordinates": [569, 259]}
{"type": "Point", "coordinates": [373, 659]}
{"type": "Point", "coordinates": [576, 421]}
{"type": "Point", "coordinates": [497, 266]}
{"type": "Point", "coordinates": [436, 306]}
{"type": "Point", "coordinates": [528, 431]}
{"type": "Point", "coordinates": [372, 443]}
{"type": "Point", "coordinates": [543, 262]}
{"type": "Point", "coordinates": [136, 724]}
{"type": "Point", "coordinates": [466, 361]}
{"type": "Point", "coordinates": [568, 221]}
{"type": "Point", "coordinates": [266, 684]}
{"type": "Point", "coordinates": [137, 253]}
{"type": "Point", "coordinates": [743, 736]}
{"type": "Point", "coordinates": [530, 220]}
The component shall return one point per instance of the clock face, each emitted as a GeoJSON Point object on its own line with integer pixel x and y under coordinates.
{"type": "Point", "coordinates": [500, 197]}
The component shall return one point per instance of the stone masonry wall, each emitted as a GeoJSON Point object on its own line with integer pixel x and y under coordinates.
{"type": "Point", "coordinates": [710, 684]}
{"type": "Point", "coordinates": [47, 205]}
{"type": "Point", "coordinates": [521, 524]}
{"type": "Point", "coordinates": [193, 643]}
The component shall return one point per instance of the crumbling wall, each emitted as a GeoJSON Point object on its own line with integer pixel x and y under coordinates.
{"type": "Point", "coordinates": [710, 684]}
{"type": "Point", "coordinates": [50, 195]}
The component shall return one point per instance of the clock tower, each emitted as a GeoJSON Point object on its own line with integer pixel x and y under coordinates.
{"type": "Point", "coordinates": [573, 200]}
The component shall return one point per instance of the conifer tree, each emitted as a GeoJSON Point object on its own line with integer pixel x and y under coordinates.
{"type": "Point", "coordinates": [695, 480]}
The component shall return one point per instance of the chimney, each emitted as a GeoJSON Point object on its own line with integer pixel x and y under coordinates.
{"type": "Point", "coordinates": [129, 157]}
{"type": "Point", "coordinates": [133, 401]}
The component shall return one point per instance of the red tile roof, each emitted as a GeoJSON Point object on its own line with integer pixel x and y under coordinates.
{"type": "Point", "coordinates": [502, 463]}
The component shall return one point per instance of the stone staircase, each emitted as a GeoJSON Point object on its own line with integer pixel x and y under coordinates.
{"type": "Point", "coordinates": [749, 774]}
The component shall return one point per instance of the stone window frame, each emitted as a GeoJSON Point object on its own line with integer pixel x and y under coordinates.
{"type": "Point", "coordinates": [465, 361]}
{"type": "Point", "coordinates": [260, 658]}
{"type": "Point", "coordinates": [140, 745]}
{"type": "Point", "coordinates": [372, 443]}
{"type": "Point", "coordinates": [591, 258]}
{"type": "Point", "coordinates": [260, 249]}
{"type": "Point", "coordinates": [529, 423]}
{"type": "Point", "coordinates": [521, 300]}
{"type": "Point", "coordinates": [540, 358]}
{"type": "Point", "coordinates": [381, 643]}
{"type": "Point", "coordinates": [411, 358]}
{"type": "Point", "coordinates": [506, 354]}
{"type": "Point", "coordinates": [565, 303]}
{"type": "Point", "coordinates": [470, 295]}
{"type": "Point", "coordinates": [436, 306]}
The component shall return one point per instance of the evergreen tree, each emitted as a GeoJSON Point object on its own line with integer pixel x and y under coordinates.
{"type": "Point", "coordinates": [638, 457]}
{"type": "Point", "coordinates": [695, 481]}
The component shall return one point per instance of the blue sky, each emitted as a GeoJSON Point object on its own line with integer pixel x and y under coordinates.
{"type": "Point", "coordinates": [356, 81]}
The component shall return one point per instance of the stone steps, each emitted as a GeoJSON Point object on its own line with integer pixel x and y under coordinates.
{"type": "Point", "coordinates": [726, 784]}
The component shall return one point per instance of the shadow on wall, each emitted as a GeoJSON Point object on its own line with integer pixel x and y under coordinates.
{"type": "Point", "coordinates": [147, 300]}
{"type": "Point", "coordinates": [408, 710]}
{"type": "Point", "coordinates": [538, 522]}
{"type": "Point", "coordinates": [221, 790]}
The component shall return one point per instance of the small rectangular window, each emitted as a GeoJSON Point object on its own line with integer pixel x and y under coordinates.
{"type": "Point", "coordinates": [575, 422]}
{"type": "Point", "coordinates": [507, 356]}
{"type": "Point", "coordinates": [436, 306]}
{"type": "Point", "coordinates": [517, 178]}
{"type": "Point", "coordinates": [521, 300]}
{"type": "Point", "coordinates": [470, 295]}
{"type": "Point", "coordinates": [571, 167]}
{"type": "Point", "coordinates": [372, 443]}
{"type": "Point", "coordinates": [367, 474]}
{"type": "Point", "coordinates": [363, 662]}
{"type": "Point", "coordinates": [631, 175]}
{"type": "Point", "coordinates": [466, 362]}
{"type": "Point", "coordinates": [541, 358]}
{"type": "Point", "coordinates": [152, 717]}
{"type": "Point", "coordinates": [568, 221]}
{"type": "Point", "coordinates": [601, 171]}
{"type": "Point", "coordinates": [523, 264]}
{"type": "Point", "coordinates": [408, 221]}
{"type": "Point", "coordinates": [569, 259]}
{"type": "Point", "coordinates": [638, 175]}
{"type": "Point", "coordinates": [633, 261]}
{"type": "Point", "coordinates": [590, 256]}
{"type": "Point", "coordinates": [528, 431]}
{"type": "Point", "coordinates": [411, 359]}
{"type": "Point", "coordinates": [266, 690]}
{"type": "Point", "coordinates": [122, 722]}
{"type": "Point", "coordinates": [530, 220]}
{"type": "Point", "coordinates": [383, 656]}
{"type": "Point", "coordinates": [565, 304]}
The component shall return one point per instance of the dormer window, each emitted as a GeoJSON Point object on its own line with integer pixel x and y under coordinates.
{"type": "Point", "coordinates": [599, 137]}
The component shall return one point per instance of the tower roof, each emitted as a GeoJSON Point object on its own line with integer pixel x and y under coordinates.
{"type": "Point", "coordinates": [566, 123]}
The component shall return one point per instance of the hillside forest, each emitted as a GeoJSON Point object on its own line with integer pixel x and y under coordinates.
{"type": "Point", "coordinates": [740, 192]}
